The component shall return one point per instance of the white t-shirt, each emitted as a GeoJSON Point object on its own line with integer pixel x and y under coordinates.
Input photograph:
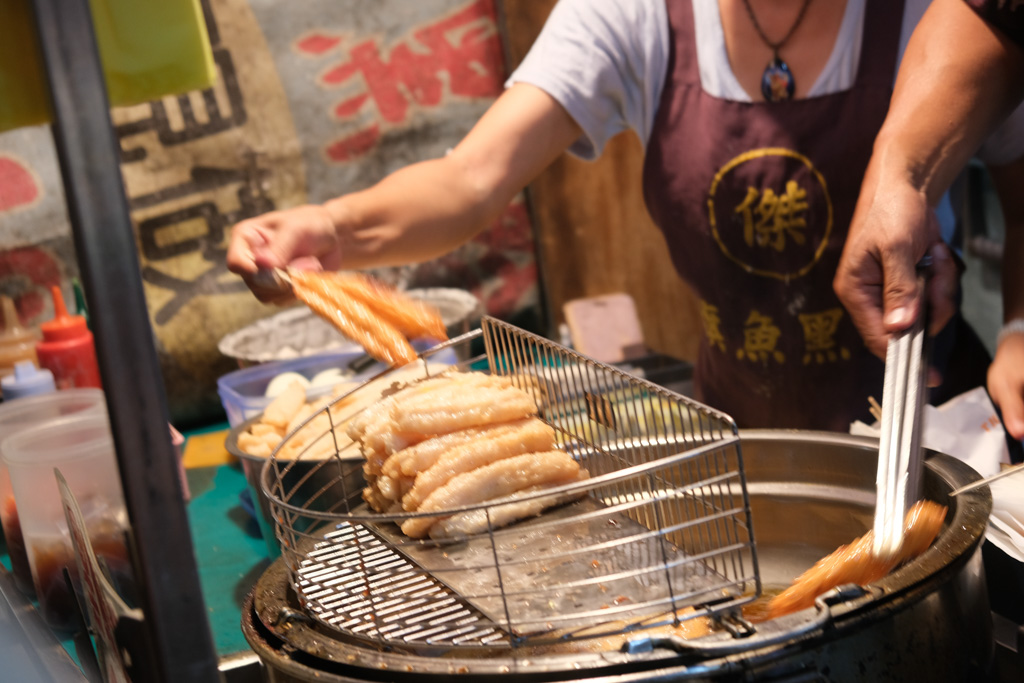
{"type": "Point", "coordinates": [605, 62]}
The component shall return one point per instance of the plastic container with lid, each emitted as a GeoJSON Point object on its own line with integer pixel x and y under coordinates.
{"type": "Point", "coordinates": [67, 349]}
{"type": "Point", "coordinates": [243, 393]}
{"type": "Point", "coordinates": [17, 343]}
{"type": "Point", "coordinates": [16, 416]}
{"type": "Point", "coordinates": [81, 447]}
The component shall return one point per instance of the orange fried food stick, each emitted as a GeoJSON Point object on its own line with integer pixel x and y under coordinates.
{"type": "Point", "coordinates": [412, 318]}
{"type": "Point", "coordinates": [353, 318]}
{"type": "Point", "coordinates": [855, 563]}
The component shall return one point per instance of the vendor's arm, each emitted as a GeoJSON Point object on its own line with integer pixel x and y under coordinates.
{"type": "Point", "coordinates": [419, 212]}
{"type": "Point", "coordinates": [959, 78]}
{"type": "Point", "coordinates": [1006, 374]}
{"type": "Point", "coordinates": [595, 70]}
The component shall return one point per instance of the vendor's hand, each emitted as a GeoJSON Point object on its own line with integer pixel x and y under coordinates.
{"type": "Point", "coordinates": [892, 229]}
{"type": "Point", "coordinates": [304, 238]}
{"type": "Point", "coordinates": [1006, 383]}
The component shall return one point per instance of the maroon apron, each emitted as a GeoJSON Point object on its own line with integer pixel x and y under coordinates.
{"type": "Point", "coordinates": [755, 201]}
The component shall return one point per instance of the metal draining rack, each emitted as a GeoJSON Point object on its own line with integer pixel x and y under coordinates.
{"type": "Point", "coordinates": [660, 532]}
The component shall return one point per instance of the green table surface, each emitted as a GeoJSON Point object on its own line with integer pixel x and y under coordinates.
{"type": "Point", "coordinates": [230, 553]}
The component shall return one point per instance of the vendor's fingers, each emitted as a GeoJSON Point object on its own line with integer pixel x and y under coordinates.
{"type": "Point", "coordinates": [1006, 383]}
{"type": "Point", "coordinates": [245, 238]}
{"type": "Point", "coordinates": [299, 236]}
{"type": "Point", "coordinates": [858, 284]}
{"type": "Point", "coordinates": [306, 263]}
{"type": "Point", "coordinates": [943, 284]}
{"type": "Point", "coordinates": [302, 238]}
{"type": "Point", "coordinates": [900, 293]}
{"type": "Point", "coordinates": [1012, 406]}
{"type": "Point", "coordinates": [876, 280]}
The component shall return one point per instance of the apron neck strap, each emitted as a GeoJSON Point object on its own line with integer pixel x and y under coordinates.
{"type": "Point", "coordinates": [880, 44]}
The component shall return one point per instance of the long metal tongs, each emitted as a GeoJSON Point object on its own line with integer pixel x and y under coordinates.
{"type": "Point", "coordinates": [898, 481]}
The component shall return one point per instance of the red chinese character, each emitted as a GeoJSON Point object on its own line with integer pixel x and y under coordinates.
{"type": "Point", "coordinates": [459, 55]}
{"type": "Point", "coordinates": [355, 145]}
{"type": "Point", "coordinates": [317, 43]}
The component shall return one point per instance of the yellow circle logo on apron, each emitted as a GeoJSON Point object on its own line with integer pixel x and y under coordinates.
{"type": "Point", "coordinates": [770, 212]}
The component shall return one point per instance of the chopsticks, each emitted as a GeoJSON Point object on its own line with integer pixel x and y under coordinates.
{"type": "Point", "coordinates": [898, 479]}
{"type": "Point", "coordinates": [875, 409]}
{"type": "Point", "coordinates": [987, 480]}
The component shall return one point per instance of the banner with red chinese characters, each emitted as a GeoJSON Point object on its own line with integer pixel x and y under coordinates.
{"type": "Point", "coordinates": [312, 100]}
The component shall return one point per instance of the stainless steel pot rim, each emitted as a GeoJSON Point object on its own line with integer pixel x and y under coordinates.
{"type": "Point", "coordinates": [970, 514]}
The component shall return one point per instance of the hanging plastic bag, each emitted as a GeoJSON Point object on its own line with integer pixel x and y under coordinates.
{"type": "Point", "coordinates": [148, 50]}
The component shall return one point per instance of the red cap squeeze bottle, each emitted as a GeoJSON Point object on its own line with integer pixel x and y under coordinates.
{"type": "Point", "coordinates": [67, 349]}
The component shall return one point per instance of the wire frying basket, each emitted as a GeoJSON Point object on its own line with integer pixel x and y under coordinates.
{"type": "Point", "coordinates": [660, 531]}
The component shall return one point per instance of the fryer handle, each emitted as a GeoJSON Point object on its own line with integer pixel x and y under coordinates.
{"type": "Point", "coordinates": [726, 645]}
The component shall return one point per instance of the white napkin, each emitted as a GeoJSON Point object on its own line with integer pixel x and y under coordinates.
{"type": "Point", "coordinates": [968, 428]}
{"type": "Point", "coordinates": [1006, 525]}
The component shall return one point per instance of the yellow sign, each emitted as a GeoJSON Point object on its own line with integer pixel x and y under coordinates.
{"type": "Point", "coordinates": [712, 324]}
{"type": "Point", "coordinates": [819, 337]}
{"type": "Point", "coordinates": [760, 337]}
{"type": "Point", "coordinates": [768, 218]}
{"type": "Point", "coordinates": [772, 219]}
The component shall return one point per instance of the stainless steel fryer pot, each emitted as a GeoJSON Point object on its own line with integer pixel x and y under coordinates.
{"type": "Point", "coordinates": [809, 493]}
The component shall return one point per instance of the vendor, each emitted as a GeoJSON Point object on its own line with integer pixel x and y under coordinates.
{"type": "Point", "coordinates": [947, 100]}
{"type": "Point", "coordinates": [758, 118]}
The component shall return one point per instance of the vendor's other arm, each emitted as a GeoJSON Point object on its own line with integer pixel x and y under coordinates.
{"type": "Point", "coordinates": [421, 211]}
{"type": "Point", "coordinates": [959, 79]}
{"type": "Point", "coordinates": [1006, 374]}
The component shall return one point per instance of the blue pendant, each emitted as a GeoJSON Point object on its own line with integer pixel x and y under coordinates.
{"type": "Point", "coordinates": [777, 82]}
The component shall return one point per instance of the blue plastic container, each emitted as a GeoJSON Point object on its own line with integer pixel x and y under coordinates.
{"type": "Point", "coordinates": [243, 392]}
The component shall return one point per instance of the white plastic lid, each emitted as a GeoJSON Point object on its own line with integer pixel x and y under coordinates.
{"type": "Point", "coordinates": [17, 415]}
{"type": "Point", "coordinates": [27, 380]}
{"type": "Point", "coordinates": [63, 439]}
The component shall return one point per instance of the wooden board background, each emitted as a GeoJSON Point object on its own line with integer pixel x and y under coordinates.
{"type": "Point", "coordinates": [593, 232]}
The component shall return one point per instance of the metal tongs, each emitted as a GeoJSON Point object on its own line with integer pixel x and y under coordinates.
{"type": "Point", "coordinates": [904, 393]}
{"type": "Point", "coordinates": [272, 278]}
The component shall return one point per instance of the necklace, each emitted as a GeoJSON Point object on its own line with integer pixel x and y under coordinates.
{"type": "Point", "coordinates": [777, 83]}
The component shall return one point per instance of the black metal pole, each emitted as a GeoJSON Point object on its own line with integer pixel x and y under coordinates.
{"type": "Point", "coordinates": [177, 638]}
{"type": "Point", "coordinates": [546, 315]}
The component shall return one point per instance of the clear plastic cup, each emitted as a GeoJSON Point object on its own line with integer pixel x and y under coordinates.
{"type": "Point", "coordinates": [82, 449]}
{"type": "Point", "coordinates": [15, 416]}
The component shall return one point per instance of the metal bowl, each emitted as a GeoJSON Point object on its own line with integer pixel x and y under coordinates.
{"type": "Point", "coordinates": [321, 478]}
{"type": "Point", "coordinates": [297, 332]}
